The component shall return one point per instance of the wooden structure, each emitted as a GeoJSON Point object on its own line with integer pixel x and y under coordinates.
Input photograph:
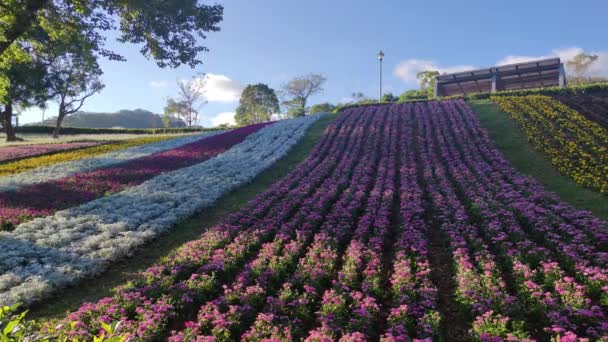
{"type": "Point", "coordinates": [535, 74]}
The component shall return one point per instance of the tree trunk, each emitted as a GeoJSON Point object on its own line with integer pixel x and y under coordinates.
{"type": "Point", "coordinates": [7, 123]}
{"type": "Point", "coordinates": [58, 125]}
{"type": "Point", "coordinates": [23, 22]}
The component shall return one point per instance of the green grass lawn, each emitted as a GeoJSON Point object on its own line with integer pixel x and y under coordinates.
{"type": "Point", "coordinates": [94, 289]}
{"type": "Point", "coordinates": [512, 143]}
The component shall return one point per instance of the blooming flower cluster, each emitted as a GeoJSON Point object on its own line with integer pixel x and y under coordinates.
{"type": "Point", "coordinates": [48, 253]}
{"type": "Point", "coordinates": [10, 153]}
{"type": "Point", "coordinates": [578, 147]}
{"type": "Point", "coordinates": [18, 166]}
{"type": "Point", "coordinates": [33, 200]}
{"type": "Point", "coordinates": [344, 248]}
{"type": "Point", "coordinates": [63, 169]}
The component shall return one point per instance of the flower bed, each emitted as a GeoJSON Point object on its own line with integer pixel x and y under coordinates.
{"type": "Point", "coordinates": [12, 168]}
{"type": "Point", "coordinates": [63, 169]}
{"type": "Point", "coordinates": [576, 146]}
{"type": "Point", "coordinates": [330, 252]}
{"type": "Point", "coordinates": [44, 199]}
{"type": "Point", "coordinates": [18, 152]}
{"type": "Point", "coordinates": [593, 107]}
{"type": "Point", "coordinates": [48, 253]}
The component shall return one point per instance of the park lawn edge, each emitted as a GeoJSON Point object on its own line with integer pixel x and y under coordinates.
{"type": "Point", "coordinates": [511, 141]}
{"type": "Point", "coordinates": [70, 299]}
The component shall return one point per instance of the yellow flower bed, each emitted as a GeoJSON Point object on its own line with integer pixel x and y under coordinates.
{"type": "Point", "coordinates": [576, 146]}
{"type": "Point", "coordinates": [22, 165]}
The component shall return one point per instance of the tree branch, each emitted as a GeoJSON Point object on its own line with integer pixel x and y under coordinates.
{"type": "Point", "coordinates": [24, 21]}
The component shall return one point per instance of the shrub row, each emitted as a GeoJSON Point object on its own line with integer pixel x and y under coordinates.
{"type": "Point", "coordinates": [83, 130]}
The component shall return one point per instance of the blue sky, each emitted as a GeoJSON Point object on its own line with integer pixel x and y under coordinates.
{"type": "Point", "coordinates": [271, 41]}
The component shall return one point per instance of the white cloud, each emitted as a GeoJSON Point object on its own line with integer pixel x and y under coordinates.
{"type": "Point", "coordinates": [220, 88]}
{"type": "Point", "coordinates": [565, 54]}
{"type": "Point", "coordinates": [223, 118]}
{"type": "Point", "coordinates": [408, 69]}
{"type": "Point", "coordinates": [599, 68]}
{"type": "Point", "coordinates": [158, 84]}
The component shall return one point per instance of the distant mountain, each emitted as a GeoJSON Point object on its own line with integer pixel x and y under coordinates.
{"type": "Point", "coordinates": [138, 118]}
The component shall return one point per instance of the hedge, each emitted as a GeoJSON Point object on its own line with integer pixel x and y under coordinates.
{"type": "Point", "coordinates": [82, 130]}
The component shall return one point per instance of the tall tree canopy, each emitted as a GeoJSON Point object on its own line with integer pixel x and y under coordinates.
{"type": "Point", "coordinates": [167, 30]}
{"type": "Point", "coordinates": [258, 102]}
{"type": "Point", "coordinates": [41, 40]}
{"type": "Point", "coordinates": [299, 90]}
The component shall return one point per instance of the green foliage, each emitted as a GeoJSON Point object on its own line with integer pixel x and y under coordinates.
{"type": "Point", "coordinates": [175, 109]}
{"type": "Point", "coordinates": [389, 97]}
{"type": "Point", "coordinates": [172, 41]}
{"type": "Point", "coordinates": [325, 107]}
{"type": "Point", "coordinates": [412, 95]}
{"type": "Point", "coordinates": [295, 112]}
{"type": "Point", "coordinates": [49, 48]}
{"type": "Point", "coordinates": [12, 324]}
{"type": "Point", "coordinates": [570, 90]}
{"type": "Point", "coordinates": [427, 81]}
{"type": "Point", "coordinates": [258, 102]}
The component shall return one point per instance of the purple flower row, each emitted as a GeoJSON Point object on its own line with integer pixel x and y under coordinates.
{"type": "Point", "coordinates": [11, 153]}
{"type": "Point", "coordinates": [290, 313]}
{"type": "Point", "coordinates": [43, 199]}
{"type": "Point", "coordinates": [413, 312]}
{"type": "Point", "coordinates": [350, 307]}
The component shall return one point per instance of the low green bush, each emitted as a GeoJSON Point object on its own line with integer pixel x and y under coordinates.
{"type": "Point", "coordinates": [79, 130]}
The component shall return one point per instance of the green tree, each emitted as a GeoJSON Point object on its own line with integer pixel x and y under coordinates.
{"type": "Point", "coordinates": [73, 78]}
{"type": "Point", "coordinates": [325, 107]}
{"type": "Point", "coordinates": [389, 97]}
{"type": "Point", "coordinates": [166, 119]}
{"type": "Point", "coordinates": [170, 32]}
{"type": "Point", "coordinates": [258, 102]}
{"type": "Point", "coordinates": [297, 92]}
{"type": "Point", "coordinates": [179, 109]}
{"type": "Point", "coordinates": [427, 79]}
{"type": "Point", "coordinates": [25, 84]}
{"type": "Point", "coordinates": [32, 31]}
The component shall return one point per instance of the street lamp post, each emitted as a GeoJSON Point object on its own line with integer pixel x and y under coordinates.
{"type": "Point", "coordinates": [380, 58]}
